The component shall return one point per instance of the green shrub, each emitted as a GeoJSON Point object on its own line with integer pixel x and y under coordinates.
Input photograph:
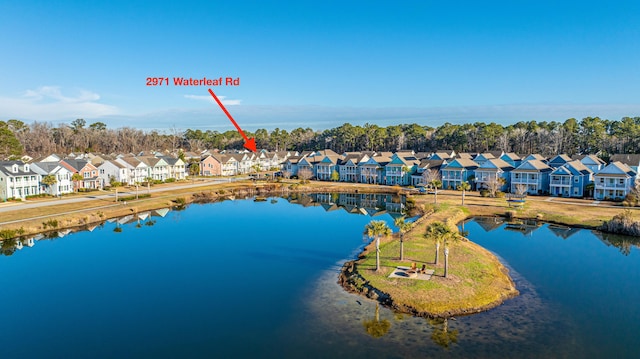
{"type": "Point", "coordinates": [169, 180]}
{"type": "Point", "coordinates": [6, 234]}
{"type": "Point", "coordinates": [500, 194]}
{"type": "Point", "coordinates": [484, 193]}
{"type": "Point", "coordinates": [53, 223]}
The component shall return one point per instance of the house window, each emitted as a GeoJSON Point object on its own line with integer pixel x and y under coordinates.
{"type": "Point", "coordinates": [102, 171]}
{"type": "Point", "coordinates": [621, 181]}
{"type": "Point", "coordinates": [576, 180]}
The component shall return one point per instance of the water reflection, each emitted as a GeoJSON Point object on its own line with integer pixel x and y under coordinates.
{"type": "Point", "coordinates": [441, 334]}
{"type": "Point", "coordinates": [9, 246]}
{"type": "Point", "coordinates": [376, 327]}
{"type": "Point", "coordinates": [370, 204]}
{"type": "Point", "coordinates": [623, 243]}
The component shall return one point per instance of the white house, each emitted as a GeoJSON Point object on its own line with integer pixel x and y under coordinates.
{"type": "Point", "coordinates": [113, 169]}
{"type": "Point", "coordinates": [63, 183]}
{"type": "Point", "coordinates": [17, 180]}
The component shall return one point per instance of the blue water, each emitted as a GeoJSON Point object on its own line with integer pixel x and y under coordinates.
{"type": "Point", "coordinates": [258, 279]}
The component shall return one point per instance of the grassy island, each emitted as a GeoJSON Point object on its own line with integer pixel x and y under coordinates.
{"type": "Point", "coordinates": [476, 281]}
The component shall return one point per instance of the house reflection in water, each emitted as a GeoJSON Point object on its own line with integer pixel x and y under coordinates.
{"type": "Point", "coordinates": [358, 203]}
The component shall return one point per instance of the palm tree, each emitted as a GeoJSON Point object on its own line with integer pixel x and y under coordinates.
{"type": "Point", "coordinates": [402, 228]}
{"type": "Point", "coordinates": [436, 183]}
{"type": "Point", "coordinates": [464, 186]}
{"type": "Point", "coordinates": [49, 180]}
{"type": "Point", "coordinates": [377, 229]}
{"type": "Point", "coordinates": [448, 237]}
{"type": "Point", "coordinates": [77, 178]}
{"type": "Point", "coordinates": [436, 231]}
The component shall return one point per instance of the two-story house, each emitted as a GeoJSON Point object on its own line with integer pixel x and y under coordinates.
{"type": "Point", "coordinates": [493, 174]}
{"type": "Point", "coordinates": [348, 166]}
{"type": "Point", "coordinates": [18, 180]}
{"type": "Point", "coordinates": [457, 171]}
{"type": "Point", "coordinates": [138, 170]}
{"type": "Point", "coordinates": [62, 175]}
{"type": "Point", "coordinates": [613, 182]}
{"type": "Point", "coordinates": [113, 170]}
{"type": "Point", "coordinates": [532, 176]}
{"type": "Point", "coordinates": [570, 180]}
{"type": "Point", "coordinates": [89, 173]}
{"type": "Point", "coordinates": [211, 165]}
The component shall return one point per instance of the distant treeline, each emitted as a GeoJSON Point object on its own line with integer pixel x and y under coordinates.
{"type": "Point", "coordinates": [589, 135]}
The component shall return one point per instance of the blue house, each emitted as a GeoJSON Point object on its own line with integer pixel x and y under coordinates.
{"type": "Point", "coordinates": [457, 171]}
{"type": "Point", "coordinates": [592, 162]}
{"type": "Point", "coordinates": [570, 180]}
{"type": "Point", "coordinates": [614, 181]}
{"type": "Point", "coordinates": [558, 161]}
{"type": "Point", "coordinates": [481, 158]}
{"type": "Point", "coordinates": [512, 159]}
{"type": "Point", "coordinates": [487, 173]}
{"type": "Point", "coordinates": [398, 171]}
{"type": "Point", "coordinates": [532, 176]}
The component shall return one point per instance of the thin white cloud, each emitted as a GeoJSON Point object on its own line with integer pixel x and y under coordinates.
{"type": "Point", "coordinates": [252, 117]}
{"type": "Point", "coordinates": [208, 98]}
{"type": "Point", "coordinates": [49, 103]}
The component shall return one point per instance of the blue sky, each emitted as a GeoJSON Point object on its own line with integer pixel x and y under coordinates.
{"type": "Point", "coordinates": [319, 64]}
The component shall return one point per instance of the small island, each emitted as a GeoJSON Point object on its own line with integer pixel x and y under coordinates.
{"type": "Point", "coordinates": [476, 280]}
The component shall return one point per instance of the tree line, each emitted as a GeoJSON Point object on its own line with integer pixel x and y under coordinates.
{"type": "Point", "coordinates": [588, 135]}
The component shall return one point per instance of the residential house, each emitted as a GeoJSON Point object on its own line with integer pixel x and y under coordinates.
{"type": "Point", "coordinates": [428, 167]}
{"type": "Point", "coordinates": [534, 156]}
{"type": "Point", "coordinates": [138, 170]}
{"type": "Point", "coordinates": [398, 171]}
{"type": "Point", "coordinates": [348, 166]}
{"type": "Point", "coordinates": [18, 180]}
{"type": "Point", "coordinates": [157, 168]}
{"type": "Point", "coordinates": [558, 161]}
{"type": "Point", "coordinates": [326, 166]}
{"type": "Point", "coordinates": [113, 170]}
{"type": "Point", "coordinates": [570, 180]}
{"type": "Point", "coordinates": [443, 155]}
{"type": "Point", "coordinates": [229, 165]}
{"type": "Point", "coordinates": [372, 170]}
{"type": "Point", "coordinates": [482, 158]}
{"type": "Point", "coordinates": [176, 167]}
{"type": "Point", "coordinates": [457, 171]}
{"type": "Point", "coordinates": [631, 160]}
{"type": "Point", "coordinates": [512, 159]}
{"type": "Point", "coordinates": [534, 174]}
{"type": "Point", "coordinates": [63, 183]}
{"type": "Point", "coordinates": [211, 165]}
{"type": "Point", "coordinates": [493, 174]}
{"type": "Point", "coordinates": [291, 165]}
{"type": "Point", "coordinates": [614, 181]}
{"type": "Point", "coordinates": [592, 162]}
{"type": "Point", "coordinates": [89, 173]}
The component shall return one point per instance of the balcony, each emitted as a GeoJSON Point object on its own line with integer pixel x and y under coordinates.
{"type": "Point", "coordinates": [611, 186]}
{"type": "Point", "coordinates": [560, 182]}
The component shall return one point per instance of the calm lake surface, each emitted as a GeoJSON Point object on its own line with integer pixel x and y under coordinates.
{"type": "Point", "coordinates": [258, 279]}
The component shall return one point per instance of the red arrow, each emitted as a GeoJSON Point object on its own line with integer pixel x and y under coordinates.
{"type": "Point", "coordinates": [249, 143]}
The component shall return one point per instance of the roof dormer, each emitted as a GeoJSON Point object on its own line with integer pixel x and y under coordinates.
{"type": "Point", "coordinates": [14, 168]}
{"type": "Point", "coordinates": [26, 167]}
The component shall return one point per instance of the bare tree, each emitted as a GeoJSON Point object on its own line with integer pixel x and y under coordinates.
{"type": "Point", "coordinates": [521, 189]}
{"type": "Point", "coordinates": [429, 176]}
{"type": "Point", "coordinates": [494, 184]}
{"type": "Point", "coordinates": [305, 174]}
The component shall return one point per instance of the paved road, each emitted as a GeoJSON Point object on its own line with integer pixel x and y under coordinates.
{"type": "Point", "coordinates": [109, 197]}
